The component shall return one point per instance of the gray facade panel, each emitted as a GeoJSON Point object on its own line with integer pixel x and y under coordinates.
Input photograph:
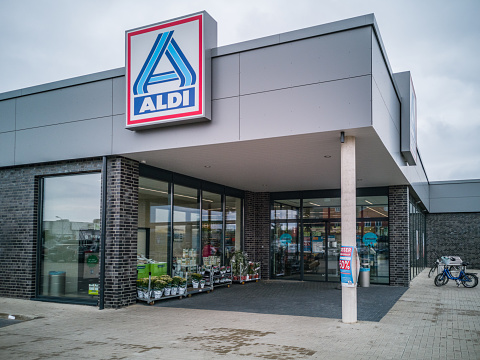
{"type": "Point", "coordinates": [66, 141]}
{"type": "Point", "coordinates": [226, 76]}
{"type": "Point", "coordinates": [335, 105]}
{"type": "Point", "coordinates": [462, 196]}
{"type": "Point", "coordinates": [382, 79]}
{"type": "Point", "coordinates": [325, 58]}
{"type": "Point", "coordinates": [455, 189]}
{"type": "Point", "coordinates": [224, 127]}
{"type": "Point", "coordinates": [455, 205]}
{"type": "Point", "coordinates": [87, 101]}
{"type": "Point", "coordinates": [119, 97]}
{"type": "Point", "coordinates": [7, 115]}
{"type": "Point", "coordinates": [7, 148]}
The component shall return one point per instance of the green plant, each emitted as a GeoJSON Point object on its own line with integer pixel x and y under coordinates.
{"type": "Point", "coordinates": [142, 283]}
{"type": "Point", "coordinates": [159, 284]}
{"type": "Point", "coordinates": [176, 280]}
{"type": "Point", "coordinates": [197, 277]}
{"type": "Point", "coordinates": [239, 263]}
{"type": "Point", "coordinates": [167, 279]}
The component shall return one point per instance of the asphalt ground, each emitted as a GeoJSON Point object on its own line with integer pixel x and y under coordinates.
{"type": "Point", "coordinates": [427, 322]}
{"type": "Point", "coordinates": [294, 298]}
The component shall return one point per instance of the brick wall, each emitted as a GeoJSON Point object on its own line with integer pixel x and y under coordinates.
{"type": "Point", "coordinates": [398, 227]}
{"type": "Point", "coordinates": [121, 233]}
{"type": "Point", "coordinates": [18, 222]}
{"type": "Point", "coordinates": [455, 234]}
{"type": "Point", "coordinates": [257, 229]}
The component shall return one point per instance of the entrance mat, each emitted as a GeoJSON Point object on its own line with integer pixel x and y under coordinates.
{"type": "Point", "coordinates": [294, 298]}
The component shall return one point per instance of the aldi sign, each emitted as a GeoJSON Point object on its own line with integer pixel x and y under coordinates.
{"type": "Point", "coordinates": [168, 71]}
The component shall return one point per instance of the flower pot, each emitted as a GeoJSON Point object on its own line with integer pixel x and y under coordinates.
{"type": "Point", "coordinates": [158, 294]}
{"type": "Point", "coordinates": [167, 291]}
{"type": "Point", "coordinates": [181, 290]}
{"type": "Point", "coordinates": [195, 284]}
{"type": "Point", "coordinates": [174, 290]}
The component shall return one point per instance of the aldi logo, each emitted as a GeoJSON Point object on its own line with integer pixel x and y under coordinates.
{"type": "Point", "coordinates": [168, 73]}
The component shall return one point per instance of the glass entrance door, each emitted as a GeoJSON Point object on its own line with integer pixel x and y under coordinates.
{"type": "Point", "coordinates": [314, 251]}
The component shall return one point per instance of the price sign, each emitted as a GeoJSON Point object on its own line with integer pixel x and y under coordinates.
{"type": "Point", "coordinates": [345, 264]}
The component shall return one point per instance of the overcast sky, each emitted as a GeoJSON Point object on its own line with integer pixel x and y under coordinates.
{"type": "Point", "coordinates": [438, 41]}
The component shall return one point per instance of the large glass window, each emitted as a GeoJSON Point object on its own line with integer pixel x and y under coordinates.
{"type": "Point", "coordinates": [186, 229]}
{"type": "Point", "coordinates": [317, 222]}
{"type": "Point", "coordinates": [372, 236]}
{"type": "Point", "coordinates": [153, 224]}
{"type": "Point", "coordinates": [212, 228]}
{"type": "Point", "coordinates": [233, 226]}
{"type": "Point", "coordinates": [417, 238]}
{"type": "Point", "coordinates": [285, 245]}
{"type": "Point", "coordinates": [70, 237]}
{"type": "Point", "coordinates": [181, 227]}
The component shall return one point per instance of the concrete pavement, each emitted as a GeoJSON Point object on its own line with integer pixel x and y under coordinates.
{"type": "Point", "coordinates": [427, 322]}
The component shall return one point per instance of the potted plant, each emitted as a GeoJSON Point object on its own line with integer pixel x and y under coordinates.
{"type": "Point", "coordinates": [158, 288]}
{"type": "Point", "coordinates": [142, 288]}
{"type": "Point", "coordinates": [196, 279]}
{"type": "Point", "coordinates": [175, 283]}
{"type": "Point", "coordinates": [168, 287]}
{"type": "Point", "coordinates": [257, 271]}
{"type": "Point", "coordinates": [182, 286]}
{"type": "Point", "coordinates": [202, 283]}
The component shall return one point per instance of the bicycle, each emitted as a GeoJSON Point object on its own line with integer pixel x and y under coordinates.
{"type": "Point", "coordinates": [468, 280]}
{"type": "Point", "coordinates": [434, 267]}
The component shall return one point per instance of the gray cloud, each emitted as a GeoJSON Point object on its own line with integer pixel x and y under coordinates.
{"type": "Point", "coordinates": [437, 40]}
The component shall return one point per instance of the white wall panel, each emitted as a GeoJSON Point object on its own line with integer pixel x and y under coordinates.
{"type": "Point", "coordinates": [7, 148]}
{"type": "Point", "coordinates": [226, 76]}
{"type": "Point", "coordinates": [224, 127]}
{"type": "Point", "coordinates": [65, 141]}
{"type": "Point", "coordinates": [319, 59]}
{"type": "Point", "coordinates": [7, 115]}
{"type": "Point", "coordinates": [119, 97]}
{"type": "Point", "coordinates": [336, 105]}
{"type": "Point", "coordinates": [87, 101]}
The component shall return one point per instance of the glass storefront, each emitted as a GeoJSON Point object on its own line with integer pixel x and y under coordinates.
{"type": "Point", "coordinates": [182, 227]}
{"type": "Point", "coordinates": [306, 237]}
{"type": "Point", "coordinates": [417, 238]}
{"type": "Point", "coordinates": [70, 237]}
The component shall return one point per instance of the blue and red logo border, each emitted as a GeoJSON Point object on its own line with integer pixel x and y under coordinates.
{"type": "Point", "coordinates": [199, 112]}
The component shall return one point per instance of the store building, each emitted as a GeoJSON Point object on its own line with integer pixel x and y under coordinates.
{"type": "Point", "coordinates": [83, 191]}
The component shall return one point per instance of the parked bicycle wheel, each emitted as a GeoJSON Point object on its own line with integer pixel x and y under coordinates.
{"type": "Point", "coordinates": [441, 279]}
{"type": "Point", "coordinates": [433, 269]}
{"type": "Point", "coordinates": [470, 280]}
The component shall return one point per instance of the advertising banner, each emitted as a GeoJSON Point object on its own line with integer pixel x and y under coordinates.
{"type": "Point", "coordinates": [348, 254]}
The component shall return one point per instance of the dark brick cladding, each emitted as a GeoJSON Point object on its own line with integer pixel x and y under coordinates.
{"type": "Point", "coordinates": [18, 221]}
{"type": "Point", "coordinates": [257, 229]}
{"type": "Point", "coordinates": [398, 228]}
{"type": "Point", "coordinates": [19, 195]}
{"type": "Point", "coordinates": [455, 234]}
{"type": "Point", "coordinates": [121, 234]}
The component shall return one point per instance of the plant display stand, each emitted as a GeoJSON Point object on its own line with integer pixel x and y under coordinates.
{"type": "Point", "coordinates": [208, 280]}
{"type": "Point", "coordinates": [221, 275]}
{"type": "Point", "coordinates": [244, 270]}
{"type": "Point", "coordinates": [249, 273]}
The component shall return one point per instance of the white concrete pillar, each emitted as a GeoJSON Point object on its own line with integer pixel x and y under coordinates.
{"type": "Point", "coordinates": [349, 222]}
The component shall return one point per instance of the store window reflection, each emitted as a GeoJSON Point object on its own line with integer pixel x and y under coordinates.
{"type": "Point", "coordinates": [186, 229]}
{"type": "Point", "coordinates": [153, 226]}
{"type": "Point", "coordinates": [372, 236]}
{"type": "Point", "coordinates": [70, 241]}
{"type": "Point", "coordinates": [212, 228]}
{"type": "Point", "coordinates": [233, 226]}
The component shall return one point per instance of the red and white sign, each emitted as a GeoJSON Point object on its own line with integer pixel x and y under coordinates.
{"type": "Point", "coordinates": [166, 77]}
